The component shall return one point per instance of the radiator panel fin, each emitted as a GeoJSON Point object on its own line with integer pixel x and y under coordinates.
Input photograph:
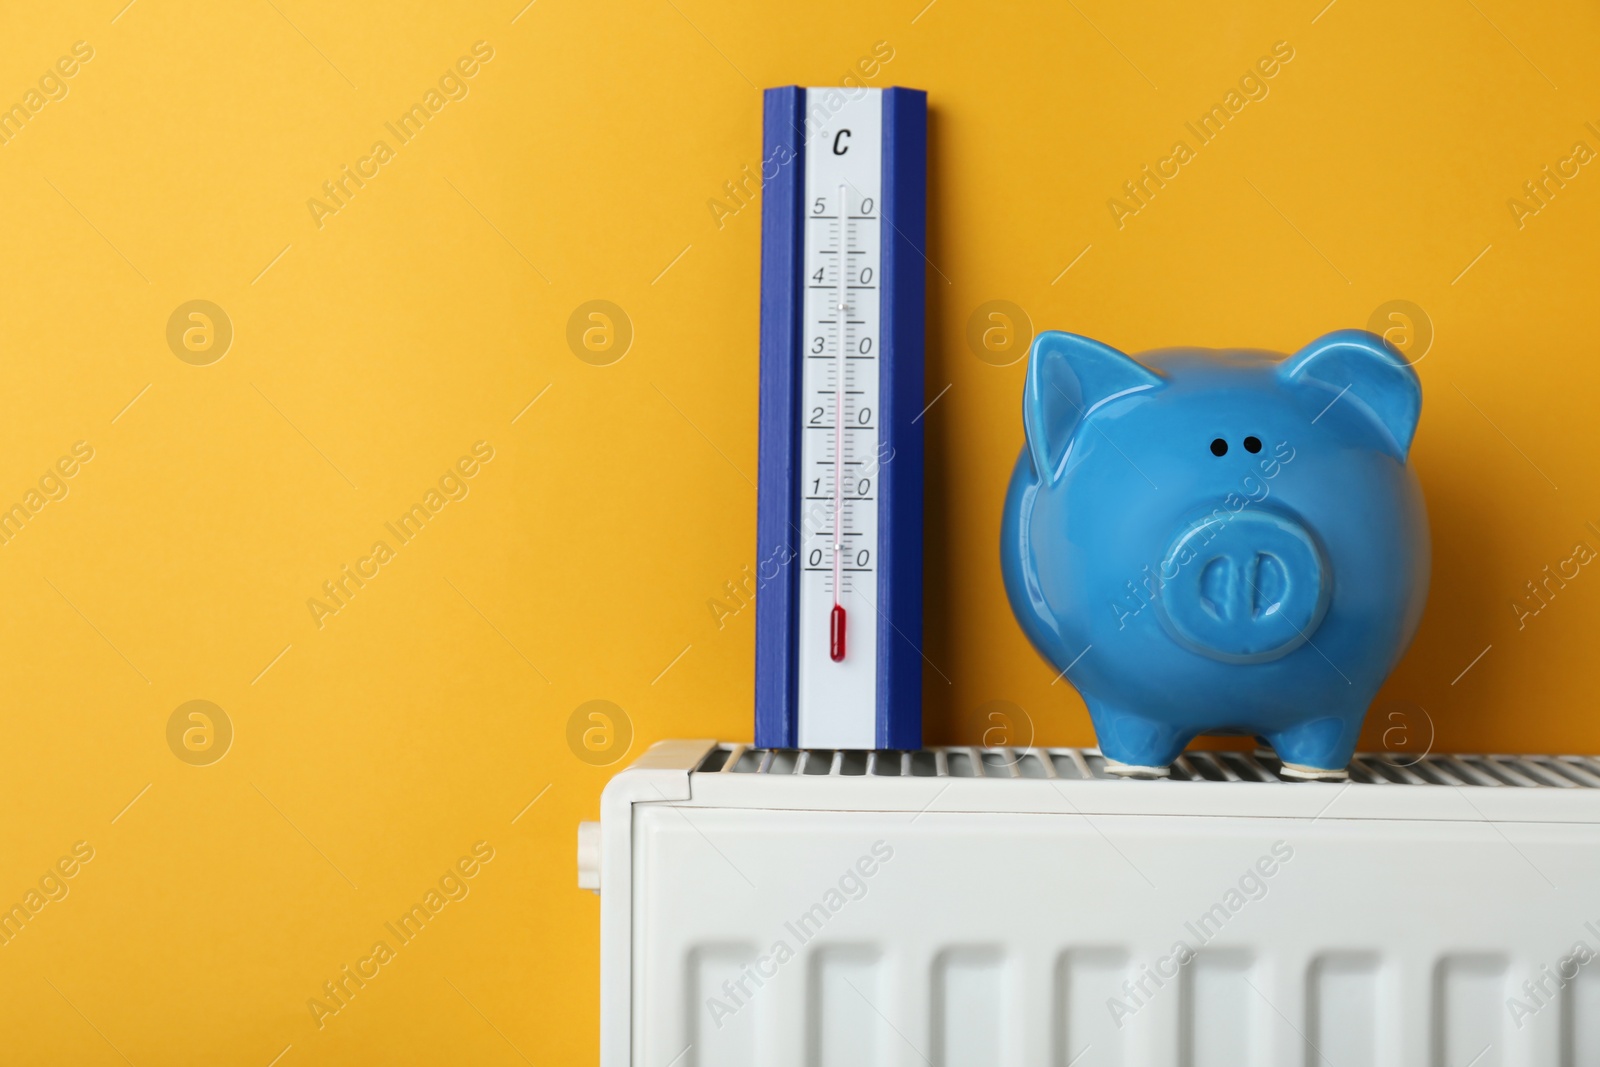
{"type": "Point", "coordinates": [721, 1023]}
{"type": "Point", "coordinates": [968, 1002]}
{"type": "Point", "coordinates": [1089, 981]}
{"type": "Point", "coordinates": [847, 1025]}
{"type": "Point", "coordinates": [1342, 1010]}
{"type": "Point", "coordinates": [1220, 1011]}
{"type": "Point", "coordinates": [1469, 1011]}
{"type": "Point", "coordinates": [1580, 1038]}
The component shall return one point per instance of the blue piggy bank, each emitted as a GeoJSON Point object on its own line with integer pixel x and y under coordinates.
{"type": "Point", "coordinates": [1219, 541]}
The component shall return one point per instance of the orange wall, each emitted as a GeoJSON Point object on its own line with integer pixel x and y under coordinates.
{"type": "Point", "coordinates": [372, 347]}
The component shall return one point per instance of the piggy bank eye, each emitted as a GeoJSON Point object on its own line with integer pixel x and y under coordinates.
{"type": "Point", "coordinates": [1219, 447]}
{"type": "Point", "coordinates": [1252, 444]}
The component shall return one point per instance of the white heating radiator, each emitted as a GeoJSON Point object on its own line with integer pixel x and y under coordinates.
{"type": "Point", "coordinates": [995, 907]}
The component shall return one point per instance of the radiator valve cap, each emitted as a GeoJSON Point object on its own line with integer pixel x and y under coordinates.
{"type": "Point", "coordinates": [589, 856]}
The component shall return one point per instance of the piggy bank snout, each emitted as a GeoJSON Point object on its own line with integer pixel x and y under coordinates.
{"type": "Point", "coordinates": [1243, 587]}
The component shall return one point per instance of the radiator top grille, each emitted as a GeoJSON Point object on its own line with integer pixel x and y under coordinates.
{"type": "Point", "coordinates": [1547, 772]}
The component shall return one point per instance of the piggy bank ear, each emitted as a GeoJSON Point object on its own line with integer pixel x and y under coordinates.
{"type": "Point", "coordinates": [1068, 377]}
{"type": "Point", "coordinates": [1357, 367]}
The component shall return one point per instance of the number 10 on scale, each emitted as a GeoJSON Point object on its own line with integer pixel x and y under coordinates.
{"type": "Point", "coordinates": [838, 660]}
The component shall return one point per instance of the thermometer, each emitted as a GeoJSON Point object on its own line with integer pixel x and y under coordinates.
{"type": "Point", "coordinates": [839, 500]}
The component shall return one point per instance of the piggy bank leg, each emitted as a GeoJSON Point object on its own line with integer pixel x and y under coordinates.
{"type": "Point", "coordinates": [1319, 749]}
{"type": "Point", "coordinates": [1134, 745]}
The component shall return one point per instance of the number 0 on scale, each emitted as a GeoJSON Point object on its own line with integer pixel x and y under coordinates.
{"type": "Point", "coordinates": [839, 523]}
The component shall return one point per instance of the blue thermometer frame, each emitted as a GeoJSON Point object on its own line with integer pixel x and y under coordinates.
{"type": "Point", "coordinates": [791, 113]}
